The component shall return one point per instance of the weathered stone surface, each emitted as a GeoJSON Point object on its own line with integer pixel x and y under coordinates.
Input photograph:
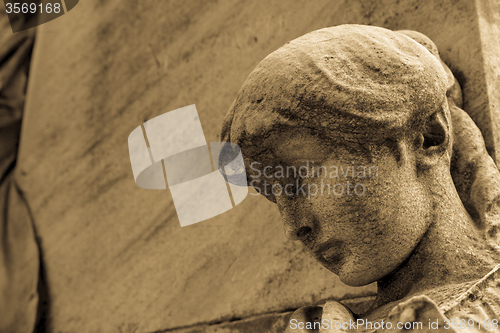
{"type": "Point", "coordinates": [115, 256]}
{"type": "Point", "coordinates": [272, 323]}
{"type": "Point", "coordinates": [269, 323]}
{"type": "Point", "coordinates": [489, 26]}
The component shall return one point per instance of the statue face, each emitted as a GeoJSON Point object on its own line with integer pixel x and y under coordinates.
{"type": "Point", "coordinates": [360, 224]}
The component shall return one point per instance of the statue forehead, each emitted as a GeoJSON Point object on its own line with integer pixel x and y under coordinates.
{"type": "Point", "coordinates": [350, 81]}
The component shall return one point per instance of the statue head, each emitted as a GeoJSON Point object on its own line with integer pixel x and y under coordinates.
{"type": "Point", "coordinates": [348, 131]}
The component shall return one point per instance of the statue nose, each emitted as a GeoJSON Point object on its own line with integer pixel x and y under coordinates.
{"type": "Point", "coordinates": [299, 234]}
{"type": "Point", "coordinates": [297, 222]}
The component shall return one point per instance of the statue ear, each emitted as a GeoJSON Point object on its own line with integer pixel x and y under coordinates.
{"type": "Point", "coordinates": [433, 140]}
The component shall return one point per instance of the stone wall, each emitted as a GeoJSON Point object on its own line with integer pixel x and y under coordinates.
{"type": "Point", "coordinates": [115, 257]}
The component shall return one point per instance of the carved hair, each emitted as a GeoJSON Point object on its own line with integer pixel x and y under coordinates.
{"type": "Point", "coordinates": [362, 82]}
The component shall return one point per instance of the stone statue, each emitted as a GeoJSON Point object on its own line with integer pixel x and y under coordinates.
{"type": "Point", "coordinates": [423, 224]}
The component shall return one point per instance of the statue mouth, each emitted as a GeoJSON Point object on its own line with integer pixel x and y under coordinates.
{"type": "Point", "coordinates": [329, 253]}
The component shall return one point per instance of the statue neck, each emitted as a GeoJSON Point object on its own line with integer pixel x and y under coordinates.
{"type": "Point", "coordinates": [452, 251]}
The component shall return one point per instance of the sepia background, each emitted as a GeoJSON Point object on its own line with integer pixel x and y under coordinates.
{"type": "Point", "coordinates": [113, 256]}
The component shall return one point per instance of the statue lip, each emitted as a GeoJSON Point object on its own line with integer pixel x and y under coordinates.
{"type": "Point", "coordinates": [329, 252]}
